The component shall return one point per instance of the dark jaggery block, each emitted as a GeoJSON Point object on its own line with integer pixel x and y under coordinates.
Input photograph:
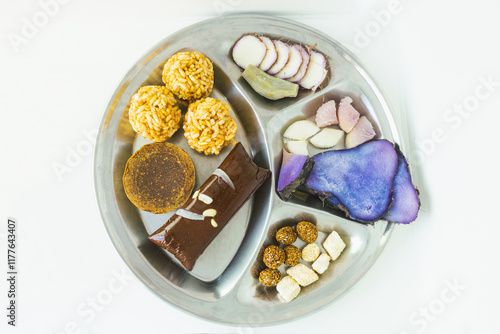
{"type": "Point", "coordinates": [189, 232]}
{"type": "Point", "coordinates": [159, 177]}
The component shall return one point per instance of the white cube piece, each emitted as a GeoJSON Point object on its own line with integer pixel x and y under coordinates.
{"type": "Point", "coordinates": [302, 274]}
{"type": "Point", "coordinates": [334, 245]}
{"type": "Point", "coordinates": [311, 252]}
{"type": "Point", "coordinates": [288, 288]}
{"type": "Point", "coordinates": [322, 263]}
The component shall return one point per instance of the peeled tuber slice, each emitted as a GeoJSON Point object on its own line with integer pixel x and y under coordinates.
{"type": "Point", "coordinates": [294, 170]}
{"type": "Point", "coordinates": [348, 116]}
{"type": "Point", "coordinates": [283, 54]}
{"type": "Point", "coordinates": [316, 71]}
{"type": "Point", "coordinates": [297, 147]}
{"type": "Point", "coordinates": [268, 86]}
{"type": "Point", "coordinates": [303, 67]}
{"type": "Point", "coordinates": [248, 50]}
{"type": "Point", "coordinates": [292, 66]}
{"type": "Point", "coordinates": [361, 133]}
{"type": "Point", "coordinates": [301, 130]}
{"type": "Point", "coordinates": [271, 54]}
{"type": "Point", "coordinates": [327, 138]}
{"type": "Point", "coordinates": [358, 181]}
{"type": "Point", "coordinates": [327, 114]}
{"type": "Point", "coordinates": [404, 208]}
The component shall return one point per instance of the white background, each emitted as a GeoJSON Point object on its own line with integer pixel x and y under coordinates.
{"type": "Point", "coordinates": [428, 56]}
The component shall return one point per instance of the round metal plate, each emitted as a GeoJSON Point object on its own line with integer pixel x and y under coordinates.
{"type": "Point", "coordinates": [223, 286]}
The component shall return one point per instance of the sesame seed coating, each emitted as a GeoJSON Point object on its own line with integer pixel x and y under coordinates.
{"type": "Point", "coordinates": [273, 256]}
{"type": "Point", "coordinates": [307, 232]}
{"type": "Point", "coordinates": [286, 235]}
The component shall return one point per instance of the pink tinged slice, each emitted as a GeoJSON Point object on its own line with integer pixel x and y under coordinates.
{"type": "Point", "coordinates": [283, 54]}
{"type": "Point", "coordinates": [248, 50]}
{"type": "Point", "coordinates": [271, 54]}
{"type": "Point", "coordinates": [316, 71]}
{"type": "Point", "coordinates": [327, 114]}
{"type": "Point", "coordinates": [292, 66]}
{"type": "Point", "coordinates": [348, 116]}
{"type": "Point", "coordinates": [361, 133]}
{"type": "Point", "coordinates": [303, 67]}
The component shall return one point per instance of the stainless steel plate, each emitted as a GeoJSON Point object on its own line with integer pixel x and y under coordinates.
{"type": "Point", "coordinates": [223, 285]}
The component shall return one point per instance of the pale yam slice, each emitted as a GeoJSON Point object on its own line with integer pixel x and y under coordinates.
{"type": "Point", "coordinates": [271, 54]}
{"type": "Point", "coordinates": [292, 66]}
{"type": "Point", "coordinates": [283, 54]}
{"type": "Point", "coordinates": [247, 50]}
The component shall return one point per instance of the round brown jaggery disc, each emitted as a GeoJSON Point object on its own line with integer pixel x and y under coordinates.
{"type": "Point", "coordinates": [159, 177]}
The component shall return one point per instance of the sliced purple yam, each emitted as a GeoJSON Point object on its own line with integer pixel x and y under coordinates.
{"type": "Point", "coordinates": [360, 179]}
{"type": "Point", "coordinates": [293, 173]}
{"type": "Point", "coordinates": [404, 208]}
{"type": "Point", "coordinates": [333, 201]}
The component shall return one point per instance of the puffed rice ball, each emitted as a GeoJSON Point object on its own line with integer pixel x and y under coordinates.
{"type": "Point", "coordinates": [189, 75]}
{"type": "Point", "coordinates": [153, 113]}
{"type": "Point", "coordinates": [208, 126]}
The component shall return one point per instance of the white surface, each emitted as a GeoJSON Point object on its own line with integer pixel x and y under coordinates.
{"type": "Point", "coordinates": [54, 88]}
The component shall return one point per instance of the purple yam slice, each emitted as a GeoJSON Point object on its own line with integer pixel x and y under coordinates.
{"type": "Point", "coordinates": [358, 180]}
{"type": "Point", "coordinates": [294, 171]}
{"type": "Point", "coordinates": [404, 208]}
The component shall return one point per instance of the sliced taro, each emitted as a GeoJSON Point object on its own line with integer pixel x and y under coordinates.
{"type": "Point", "coordinates": [359, 179]}
{"type": "Point", "coordinates": [248, 50]}
{"type": "Point", "coordinates": [316, 71]}
{"type": "Point", "coordinates": [271, 54]}
{"type": "Point", "coordinates": [283, 54]}
{"type": "Point", "coordinates": [303, 67]}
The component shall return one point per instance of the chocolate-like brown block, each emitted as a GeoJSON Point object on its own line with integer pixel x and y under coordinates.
{"type": "Point", "coordinates": [188, 232]}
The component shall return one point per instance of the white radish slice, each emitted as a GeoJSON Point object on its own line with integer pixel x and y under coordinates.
{"type": "Point", "coordinates": [249, 49]}
{"type": "Point", "coordinates": [303, 67]}
{"type": "Point", "coordinates": [316, 71]}
{"type": "Point", "coordinates": [292, 66]}
{"type": "Point", "coordinates": [298, 147]}
{"type": "Point", "coordinates": [301, 130]}
{"type": "Point", "coordinates": [283, 54]}
{"type": "Point", "coordinates": [271, 54]}
{"type": "Point", "coordinates": [327, 138]}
